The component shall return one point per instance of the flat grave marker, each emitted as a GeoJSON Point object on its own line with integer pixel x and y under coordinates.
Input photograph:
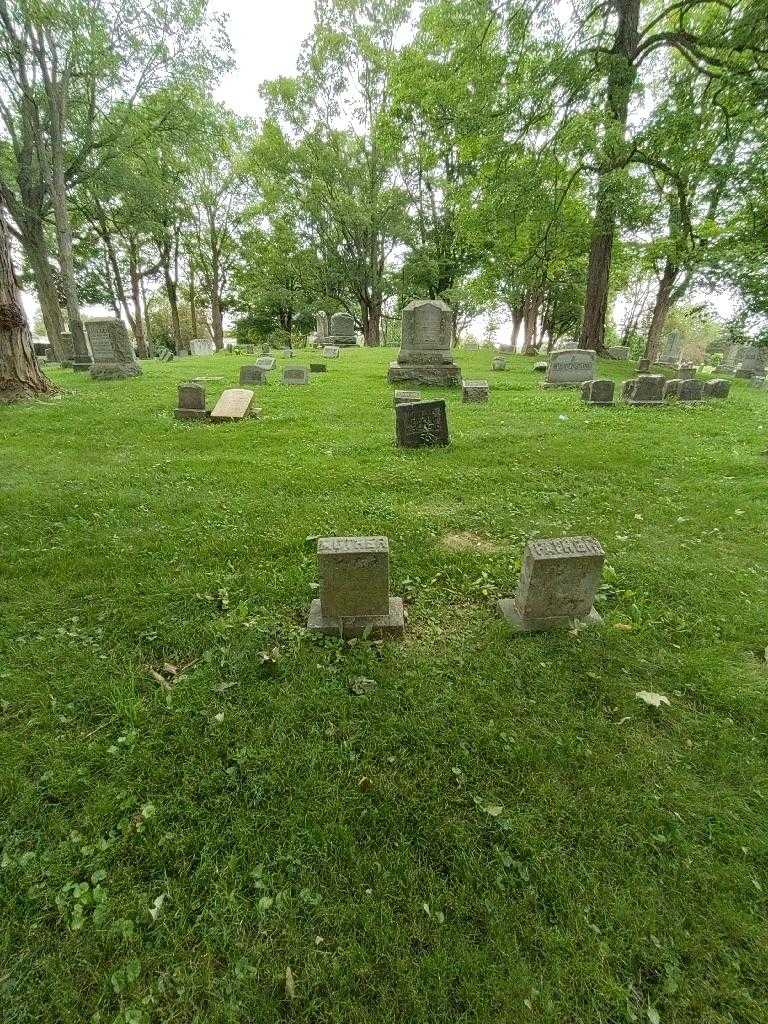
{"type": "Point", "coordinates": [233, 405]}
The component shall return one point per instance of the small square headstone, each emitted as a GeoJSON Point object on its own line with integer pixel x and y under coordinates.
{"type": "Point", "coordinates": [643, 365]}
{"type": "Point", "coordinates": [296, 375]}
{"type": "Point", "coordinates": [191, 403]}
{"type": "Point", "coordinates": [598, 392]}
{"type": "Point", "coordinates": [716, 388]}
{"type": "Point", "coordinates": [252, 374]}
{"type": "Point", "coordinates": [407, 396]}
{"type": "Point", "coordinates": [539, 367]}
{"type": "Point", "coordinates": [557, 585]}
{"type": "Point", "coordinates": [499, 363]}
{"type": "Point", "coordinates": [331, 352]}
{"type": "Point", "coordinates": [421, 424]}
{"type": "Point", "coordinates": [354, 589]}
{"type": "Point", "coordinates": [758, 382]}
{"type": "Point", "coordinates": [233, 405]}
{"type": "Point", "coordinates": [685, 390]}
{"type": "Point", "coordinates": [266, 363]}
{"type": "Point", "coordinates": [569, 368]}
{"type": "Point", "coordinates": [647, 389]}
{"type": "Point", "coordinates": [317, 368]}
{"type": "Point", "coordinates": [686, 372]}
{"type": "Point", "coordinates": [475, 391]}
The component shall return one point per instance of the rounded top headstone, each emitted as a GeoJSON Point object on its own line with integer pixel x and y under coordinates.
{"type": "Point", "coordinates": [427, 323]}
{"type": "Point", "coordinates": [342, 325]}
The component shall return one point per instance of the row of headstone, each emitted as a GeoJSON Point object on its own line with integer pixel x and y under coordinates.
{"type": "Point", "coordinates": [233, 405]}
{"type": "Point", "coordinates": [654, 389]}
{"type": "Point", "coordinates": [556, 588]}
{"type": "Point", "coordinates": [745, 361]}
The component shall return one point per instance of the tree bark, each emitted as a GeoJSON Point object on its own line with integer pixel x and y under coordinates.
{"type": "Point", "coordinates": [530, 314]}
{"type": "Point", "coordinates": [36, 252]}
{"type": "Point", "coordinates": [20, 374]}
{"type": "Point", "coordinates": [370, 314]}
{"type": "Point", "coordinates": [622, 73]}
{"type": "Point", "coordinates": [662, 306]}
{"type": "Point", "coordinates": [137, 323]}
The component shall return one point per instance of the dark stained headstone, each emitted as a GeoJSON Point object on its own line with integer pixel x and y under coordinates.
{"type": "Point", "coordinates": [421, 424]}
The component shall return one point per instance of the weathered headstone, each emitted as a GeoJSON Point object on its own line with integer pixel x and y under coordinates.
{"type": "Point", "coordinates": [557, 585]}
{"type": "Point", "coordinates": [266, 363]}
{"type": "Point", "coordinates": [191, 403]}
{"type": "Point", "coordinates": [564, 345]}
{"type": "Point", "coordinates": [643, 365]}
{"type": "Point", "coordinates": [421, 424]}
{"type": "Point", "coordinates": [540, 367]}
{"type": "Point", "coordinates": [266, 350]}
{"type": "Point", "coordinates": [499, 363]}
{"type": "Point", "coordinates": [341, 330]}
{"type": "Point", "coordinates": [475, 391]}
{"type": "Point", "coordinates": [112, 350]}
{"type": "Point", "coordinates": [685, 372]}
{"type": "Point", "coordinates": [201, 347]}
{"type": "Point", "coordinates": [233, 405]}
{"type": "Point", "coordinates": [252, 374]}
{"type": "Point", "coordinates": [425, 355]}
{"type": "Point", "coordinates": [407, 396]}
{"type": "Point", "coordinates": [671, 349]}
{"type": "Point", "coordinates": [647, 389]}
{"type": "Point", "coordinates": [296, 375]}
{"type": "Point", "coordinates": [685, 389]}
{"type": "Point", "coordinates": [317, 368]}
{"type": "Point", "coordinates": [287, 353]}
{"type": "Point", "coordinates": [716, 388]}
{"type": "Point", "coordinates": [66, 348]}
{"type": "Point", "coordinates": [758, 382]}
{"type": "Point", "coordinates": [330, 352]}
{"type": "Point", "coordinates": [165, 355]}
{"type": "Point", "coordinates": [597, 392]}
{"type": "Point", "coordinates": [321, 326]}
{"type": "Point", "coordinates": [354, 589]}
{"type": "Point", "coordinates": [569, 368]}
{"type": "Point", "coordinates": [750, 362]}
{"type": "Point", "coordinates": [618, 352]}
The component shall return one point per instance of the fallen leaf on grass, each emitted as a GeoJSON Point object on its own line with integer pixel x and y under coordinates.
{"type": "Point", "coordinates": [625, 626]}
{"type": "Point", "coordinates": [653, 700]}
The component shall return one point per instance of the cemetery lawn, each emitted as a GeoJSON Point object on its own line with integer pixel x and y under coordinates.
{"type": "Point", "coordinates": [457, 826]}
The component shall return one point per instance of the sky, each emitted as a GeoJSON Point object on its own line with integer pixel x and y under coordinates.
{"type": "Point", "coordinates": [266, 36]}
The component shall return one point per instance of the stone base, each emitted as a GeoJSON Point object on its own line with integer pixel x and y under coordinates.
{"type": "Point", "coordinates": [392, 624]}
{"type": "Point", "coordinates": [435, 375]}
{"type": "Point", "coordinates": [629, 401]}
{"type": "Point", "coordinates": [599, 403]}
{"type": "Point", "coordinates": [519, 624]}
{"type": "Point", "coordinates": [80, 367]}
{"type": "Point", "coordinates": [565, 384]}
{"type": "Point", "coordinates": [191, 414]}
{"type": "Point", "coordinates": [114, 371]}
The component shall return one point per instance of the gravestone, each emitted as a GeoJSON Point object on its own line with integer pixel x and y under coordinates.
{"type": "Point", "coordinates": [66, 348]}
{"type": "Point", "coordinates": [750, 362]}
{"type": "Point", "coordinates": [252, 374]}
{"type": "Point", "coordinates": [296, 375]}
{"type": "Point", "coordinates": [341, 330]}
{"type": "Point", "coordinates": [685, 372]}
{"type": "Point", "coordinates": [716, 388]}
{"type": "Point", "coordinates": [321, 326]}
{"type": "Point", "coordinates": [191, 403]}
{"type": "Point", "coordinates": [266, 363]}
{"type": "Point", "coordinates": [317, 368]}
{"type": "Point", "coordinates": [235, 404]}
{"type": "Point", "coordinates": [330, 352]}
{"type": "Point", "coordinates": [643, 365]}
{"type": "Point", "coordinates": [618, 352]}
{"type": "Point", "coordinates": [112, 350]}
{"type": "Point", "coordinates": [758, 382]}
{"type": "Point", "coordinates": [647, 389]}
{"type": "Point", "coordinates": [421, 424]}
{"type": "Point", "coordinates": [539, 367]}
{"type": "Point", "coordinates": [266, 350]}
{"type": "Point", "coordinates": [569, 368]}
{"type": "Point", "coordinates": [475, 391]}
{"type": "Point", "coordinates": [165, 355]}
{"type": "Point", "coordinates": [671, 349]}
{"type": "Point", "coordinates": [287, 353]}
{"type": "Point", "coordinates": [354, 589]}
{"type": "Point", "coordinates": [597, 392]}
{"type": "Point", "coordinates": [564, 345]}
{"type": "Point", "coordinates": [557, 585]}
{"type": "Point", "coordinates": [499, 363]}
{"type": "Point", "coordinates": [425, 352]}
{"type": "Point", "coordinates": [407, 396]}
{"type": "Point", "coordinates": [201, 347]}
{"type": "Point", "coordinates": [685, 389]}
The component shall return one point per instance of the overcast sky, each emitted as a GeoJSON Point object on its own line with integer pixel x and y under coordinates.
{"type": "Point", "coordinates": [266, 36]}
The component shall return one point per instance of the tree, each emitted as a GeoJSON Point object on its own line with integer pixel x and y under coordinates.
{"type": "Point", "coordinates": [20, 374]}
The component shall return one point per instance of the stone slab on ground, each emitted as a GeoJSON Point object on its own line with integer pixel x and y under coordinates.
{"type": "Point", "coordinates": [252, 374]}
{"type": "Point", "coordinates": [475, 391]}
{"type": "Point", "coordinates": [233, 405]}
{"type": "Point", "coordinates": [391, 624]}
{"type": "Point", "coordinates": [598, 392]}
{"type": "Point", "coordinates": [716, 388]}
{"type": "Point", "coordinates": [296, 375]}
{"type": "Point", "coordinates": [406, 396]}
{"type": "Point", "coordinates": [647, 389]}
{"type": "Point", "coordinates": [266, 363]}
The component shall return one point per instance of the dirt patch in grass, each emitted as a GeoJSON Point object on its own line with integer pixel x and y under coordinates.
{"type": "Point", "coordinates": [468, 541]}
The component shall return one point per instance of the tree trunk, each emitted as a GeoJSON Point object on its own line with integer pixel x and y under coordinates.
{"type": "Point", "coordinates": [370, 309]}
{"type": "Point", "coordinates": [137, 322]}
{"type": "Point", "coordinates": [36, 252]}
{"type": "Point", "coordinates": [664, 302]}
{"type": "Point", "coordinates": [622, 73]}
{"type": "Point", "coordinates": [531, 312]}
{"type": "Point", "coordinates": [20, 374]}
{"type": "Point", "coordinates": [147, 321]}
{"type": "Point", "coordinates": [193, 300]}
{"type": "Point", "coordinates": [517, 315]}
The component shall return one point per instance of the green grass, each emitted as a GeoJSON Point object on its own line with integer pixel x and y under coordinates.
{"type": "Point", "coordinates": [626, 874]}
